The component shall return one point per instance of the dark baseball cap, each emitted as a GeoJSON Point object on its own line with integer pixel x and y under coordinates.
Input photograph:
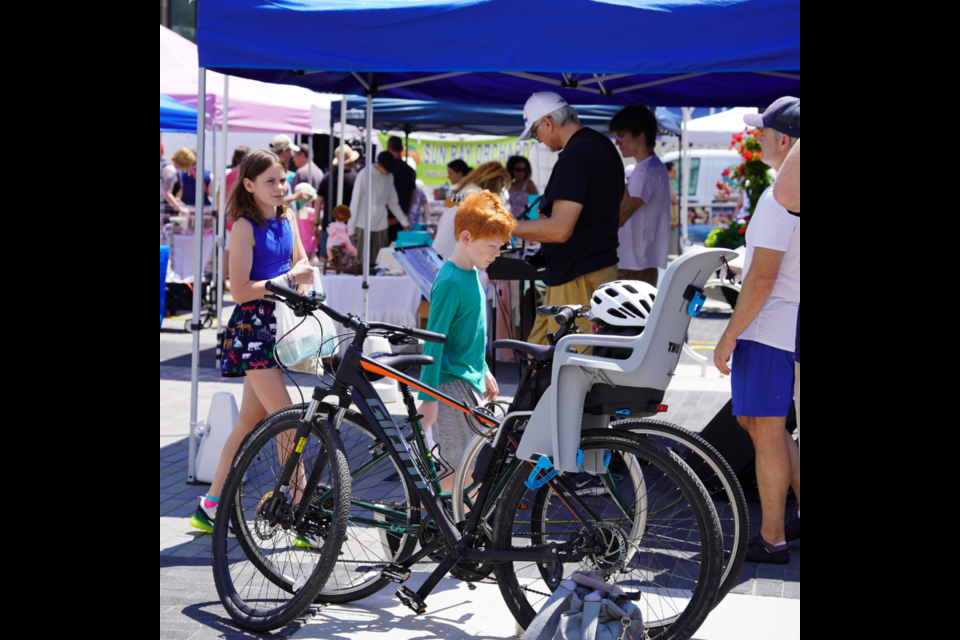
{"type": "Point", "coordinates": [783, 116]}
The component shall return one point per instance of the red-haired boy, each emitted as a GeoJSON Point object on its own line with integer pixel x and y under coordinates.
{"type": "Point", "coordinates": [458, 310]}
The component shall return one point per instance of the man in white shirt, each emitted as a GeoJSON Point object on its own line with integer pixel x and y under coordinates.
{"type": "Point", "coordinates": [645, 211]}
{"type": "Point", "coordinates": [762, 335]}
{"type": "Point", "coordinates": [384, 198]}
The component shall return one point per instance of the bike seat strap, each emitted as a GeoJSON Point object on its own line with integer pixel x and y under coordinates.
{"type": "Point", "coordinates": [538, 352]}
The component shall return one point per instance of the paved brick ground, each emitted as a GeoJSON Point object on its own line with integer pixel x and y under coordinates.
{"type": "Point", "coordinates": [189, 605]}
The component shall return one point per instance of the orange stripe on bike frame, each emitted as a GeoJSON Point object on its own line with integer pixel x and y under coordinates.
{"type": "Point", "coordinates": [383, 372]}
{"type": "Point", "coordinates": [556, 493]}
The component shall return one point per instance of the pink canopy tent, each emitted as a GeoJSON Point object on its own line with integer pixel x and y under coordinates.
{"type": "Point", "coordinates": [254, 106]}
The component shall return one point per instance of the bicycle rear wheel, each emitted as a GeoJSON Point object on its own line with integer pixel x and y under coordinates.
{"type": "Point", "coordinates": [721, 483]}
{"type": "Point", "coordinates": [662, 539]}
{"type": "Point", "coordinates": [265, 579]}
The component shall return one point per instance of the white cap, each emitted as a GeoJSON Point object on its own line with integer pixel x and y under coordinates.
{"type": "Point", "coordinates": [281, 143]}
{"type": "Point", "coordinates": [540, 105]}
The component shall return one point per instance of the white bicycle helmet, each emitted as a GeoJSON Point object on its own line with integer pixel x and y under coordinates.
{"type": "Point", "coordinates": [624, 303]}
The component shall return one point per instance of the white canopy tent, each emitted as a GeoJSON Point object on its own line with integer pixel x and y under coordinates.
{"type": "Point", "coordinates": [718, 128]}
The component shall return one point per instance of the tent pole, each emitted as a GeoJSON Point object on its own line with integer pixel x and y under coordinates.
{"type": "Point", "coordinates": [222, 207]}
{"type": "Point", "coordinates": [328, 198]}
{"type": "Point", "coordinates": [343, 136]}
{"type": "Point", "coordinates": [684, 179]}
{"type": "Point", "coordinates": [197, 271]}
{"type": "Point", "coordinates": [370, 168]}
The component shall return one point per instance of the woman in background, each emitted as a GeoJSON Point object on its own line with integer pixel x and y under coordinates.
{"type": "Point", "coordinates": [519, 169]}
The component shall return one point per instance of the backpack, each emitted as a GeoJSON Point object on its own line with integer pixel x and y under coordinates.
{"type": "Point", "coordinates": [585, 608]}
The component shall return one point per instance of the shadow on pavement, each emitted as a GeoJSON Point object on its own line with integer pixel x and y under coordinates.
{"type": "Point", "coordinates": [210, 615]}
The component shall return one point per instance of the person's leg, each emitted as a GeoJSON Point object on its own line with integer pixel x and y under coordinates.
{"type": "Point", "coordinates": [452, 430]}
{"type": "Point", "coordinates": [630, 276]}
{"type": "Point", "coordinates": [797, 399]}
{"type": "Point", "coordinates": [542, 326]}
{"type": "Point", "coordinates": [251, 413]}
{"type": "Point", "coordinates": [774, 474]}
{"type": "Point", "coordinates": [650, 276]}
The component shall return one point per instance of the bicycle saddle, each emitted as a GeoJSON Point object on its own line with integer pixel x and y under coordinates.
{"type": "Point", "coordinates": [539, 352]}
{"type": "Point", "coordinates": [402, 363]}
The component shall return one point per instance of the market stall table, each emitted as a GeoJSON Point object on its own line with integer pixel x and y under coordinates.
{"type": "Point", "coordinates": [182, 253]}
{"type": "Point", "coordinates": [393, 299]}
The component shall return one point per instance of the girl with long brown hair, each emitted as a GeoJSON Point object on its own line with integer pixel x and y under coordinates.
{"type": "Point", "coordinates": [265, 246]}
{"type": "Point", "coordinates": [492, 177]}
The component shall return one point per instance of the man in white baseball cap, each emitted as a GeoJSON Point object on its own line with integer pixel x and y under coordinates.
{"type": "Point", "coordinates": [580, 211]}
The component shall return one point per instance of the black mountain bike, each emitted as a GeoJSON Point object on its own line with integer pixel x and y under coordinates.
{"type": "Point", "coordinates": [653, 531]}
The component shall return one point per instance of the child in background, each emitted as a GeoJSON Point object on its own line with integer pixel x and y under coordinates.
{"type": "Point", "coordinates": [339, 232]}
{"type": "Point", "coordinates": [458, 310]}
{"type": "Point", "coordinates": [306, 217]}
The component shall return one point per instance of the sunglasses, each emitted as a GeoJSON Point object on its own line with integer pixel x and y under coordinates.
{"type": "Point", "coordinates": [522, 170]}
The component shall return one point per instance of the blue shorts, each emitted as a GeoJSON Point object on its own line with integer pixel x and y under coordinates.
{"type": "Point", "coordinates": [763, 380]}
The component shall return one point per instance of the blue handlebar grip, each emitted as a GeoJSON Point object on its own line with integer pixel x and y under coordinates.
{"type": "Point", "coordinates": [696, 305]}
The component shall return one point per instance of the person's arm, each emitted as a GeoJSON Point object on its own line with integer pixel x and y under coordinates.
{"type": "Point", "coordinates": [628, 207]}
{"type": "Point", "coordinates": [393, 204]}
{"type": "Point", "coordinates": [532, 189]}
{"type": "Point", "coordinates": [556, 229]}
{"type": "Point", "coordinates": [674, 200]}
{"type": "Point", "coordinates": [357, 198]}
{"type": "Point", "coordinates": [786, 190]}
{"type": "Point", "coordinates": [759, 284]}
{"type": "Point", "coordinates": [241, 263]}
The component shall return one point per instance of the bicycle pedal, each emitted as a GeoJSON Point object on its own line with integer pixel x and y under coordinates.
{"type": "Point", "coordinates": [412, 601]}
{"type": "Point", "coordinates": [396, 574]}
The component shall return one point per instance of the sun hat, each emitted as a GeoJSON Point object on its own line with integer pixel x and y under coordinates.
{"type": "Point", "coordinates": [782, 116]}
{"type": "Point", "coordinates": [281, 143]}
{"type": "Point", "coordinates": [539, 105]}
{"type": "Point", "coordinates": [349, 155]}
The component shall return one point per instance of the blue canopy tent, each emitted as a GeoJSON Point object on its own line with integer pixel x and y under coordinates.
{"type": "Point", "coordinates": [495, 120]}
{"type": "Point", "coordinates": [176, 117]}
{"type": "Point", "coordinates": [699, 53]}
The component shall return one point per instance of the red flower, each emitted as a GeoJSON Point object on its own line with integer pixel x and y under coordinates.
{"type": "Point", "coordinates": [743, 231]}
{"type": "Point", "coordinates": [726, 173]}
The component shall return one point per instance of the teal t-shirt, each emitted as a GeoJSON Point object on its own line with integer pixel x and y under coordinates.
{"type": "Point", "coordinates": [458, 310]}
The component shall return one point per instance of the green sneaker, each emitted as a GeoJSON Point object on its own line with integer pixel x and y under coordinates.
{"type": "Point", "coordinates": [202, 521]}
{"type": "Point", "coordinates": [308, 542]}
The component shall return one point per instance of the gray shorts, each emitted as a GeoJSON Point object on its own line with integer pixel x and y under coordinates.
{"type": "Point", "coordinates": [452, 430]}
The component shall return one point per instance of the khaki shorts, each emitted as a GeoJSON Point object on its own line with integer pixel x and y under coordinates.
{"type": "Point", "coordinates": [650, 276]}
{"type": "Point", "coordinates": [579, 292]}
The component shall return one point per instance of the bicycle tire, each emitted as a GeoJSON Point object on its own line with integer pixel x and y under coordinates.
{"type": "Point", "coordinates": [734, 517]}
{"type": "Point", "coordinates": [264, 581]}
{"type": "Point", "coordinates": [670, 487]}
{"type": "Point", "coordinates": [375, 548]}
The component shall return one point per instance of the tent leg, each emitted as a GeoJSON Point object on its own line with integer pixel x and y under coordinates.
{"type": "Point", "coordinates": [370, 168]}
{"type": "Point", "coordinates": [684, 177]}
{"type": "Point", "coordinates": [222, 206]}
{"type": "Point", "coordinates": [343, 138]}
{"type": "Point", "coordinates": [197, 273]}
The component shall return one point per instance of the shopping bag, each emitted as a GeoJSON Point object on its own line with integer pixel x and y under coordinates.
{"type": "Point", "coordinates": [302, 341]}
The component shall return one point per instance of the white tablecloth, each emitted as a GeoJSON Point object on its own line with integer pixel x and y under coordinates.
{"type": "Point", "coordinates": [183, 254]}
{"type": "Point", "coordinates": [394, 300]}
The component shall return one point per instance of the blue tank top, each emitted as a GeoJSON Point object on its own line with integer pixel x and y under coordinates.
{"type": "Point", "coordinates": [273, 251]}
{"type": "Point", "coordinates": [188, 188]}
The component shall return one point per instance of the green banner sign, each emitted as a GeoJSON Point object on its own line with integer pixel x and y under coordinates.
{"type": "Point", "coordinates": [433, 157]}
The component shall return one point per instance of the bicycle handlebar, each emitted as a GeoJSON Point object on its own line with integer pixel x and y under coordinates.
{"type": "Point", "coordinates": [293, 298]}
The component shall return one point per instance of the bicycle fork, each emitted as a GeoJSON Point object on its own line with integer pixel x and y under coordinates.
{"type": "Point", "coordinates": [276, 511]}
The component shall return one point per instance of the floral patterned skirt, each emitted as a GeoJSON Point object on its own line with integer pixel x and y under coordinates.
{"type": "Point", "coordinates": [250, 339]}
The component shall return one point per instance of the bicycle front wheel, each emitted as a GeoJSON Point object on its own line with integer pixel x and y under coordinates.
{"type": "Point", "coordinates": [662, 542]}
{"type": "Point", "coordinates": [265, 574]}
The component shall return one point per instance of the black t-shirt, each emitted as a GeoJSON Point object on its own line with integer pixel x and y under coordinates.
{"type": "Point", "coordinates": [349, 178]}
{"type": "Point", "coordinates": [405, 181]}
{"type": "Point", "coordinates": [589, 172]}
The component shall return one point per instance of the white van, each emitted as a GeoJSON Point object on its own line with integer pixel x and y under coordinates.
{"type": "Point", "coordinates": [706, 170]}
